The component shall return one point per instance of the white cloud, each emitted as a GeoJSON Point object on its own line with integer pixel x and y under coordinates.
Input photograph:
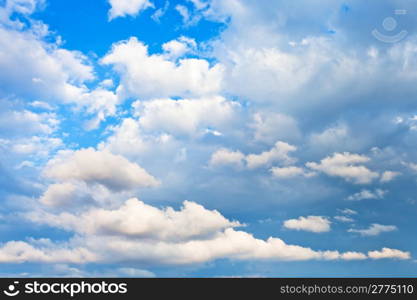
{"type": "Point", "coordinates": [389, 253]}
{"type": "Point", "coordinates": [270, 127]}
{"type": "Point", "coordinates": [127, 139]}
{"type": "Point", "coordinates": [179, 47]}
{"type": "Point", "coordinates": [345, 165]}
{"type": "Point", "coordinates": [98, 167]}
{"type": "Point", "coordinates": [279, 153]}
{"type": "Point", "coordinates": [46, 252]}
{"type": "Point", "coordinates": [137, 232]}
{"type": "Point", "coordinates": [136, 219]}
{"type": "Point", "coordinates": [24, 122]}
{"type": "Point", "coordinates": [59, 194]}
{"type": "Point", "coordinates": [122, 8]}
{"type": "Point", "coordinates": [344, 219]}
{"type": "Point", "coordinates": [316, 224]}
{"type": "Point", "coordinates": [289, 172]}
{"type": "Point", "coordinates": [374, 230]}
{"type": "Point", "coordinates": [224, 157]}
{"type": "Point", "coordinates": [388, 176]}
{"type": "Point", "coordinates": [353, 256]}
{"type": "Point", "coordinates": [366, 194]}
{"type": "Point", "coordinates": [153, 76]}
{"type": "Point", "coordinates": [348, 211]}
{"type": "Point", "coordinates": [33, 68]}
{"type": "Point", "coordinates": [185, 116]}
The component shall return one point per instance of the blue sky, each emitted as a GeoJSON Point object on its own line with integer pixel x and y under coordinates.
{"type": "Point", "coordinates": [153, 138]}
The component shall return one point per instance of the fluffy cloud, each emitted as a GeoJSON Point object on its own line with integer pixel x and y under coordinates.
{"type": "Point", "coordinates": [26, 123]}
{"type": "Point", "coordinates": [136, 219]}
{"type": "Point", "coordinates": [153, 76]}
{"type": "Point", "coordinates": [367, 194]}
{"type": "Point", "coordinates": [45, 252]}
{"type": "Point", "coordinates": [224, 157]}
{"type": "Point", "coordinates": [270, 127]}
{"type": "Point", "coordinates": [59, 194]}
{"type": "Point", "coordinates": [289, 172]}
{"type": "Point", "coordinates": [316, 224]}
{"type": "Point", "coordinates": [348, 211]}
{"type": "Point", "coordinates": [389, 253]}
{"type": "Point", "coordinates": [98, 167]}
{"type": "Point", "coordinates": [374, 229]}
{"type": "Point", "coordinates": [122, 8]}
{"type": "Point", "coordinates": [185, 116]}
{"type": "Point", "coordinates": [344, 219]}
{"type": "Point", "coordinates": [34, 68]}
{"type": "Point", "coordinates": [345, 165]}
{"type": "Point", "coordinates": [278, 153]}
{"type": "Point", "coordinates": [179, 47]}
{"type": "Point", "coordinates": [388, 176]}
{"type": "Point", "coordinates": [137, 232]}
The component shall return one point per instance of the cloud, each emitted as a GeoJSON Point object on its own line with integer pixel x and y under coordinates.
{"type": "Point", "coordinates": [348, 211]}
{"type": "Point", "coordinates": [389, 253]}
{"type": "Point", "coordinates": [186, 116]}
{"type": "Point", "coordinates": [224, 157]}
{"type": "Point", "coordinates": [153, 76]}
{"type": "Point", "coordinates": [289, 172]}
{"type": "Point", "coordinates": [24, 122]}
{"type": "Point", "coordinates": [59, 194]}
{"type": "Point", "coordinates": [353, 256]}
{"type": "Point", "coordinates": [122, 8]}
{"type": "Point", "coordinates": [344, 219]}
{"type": "Point", "coordinates": [46, 252]}
{"type": "Point", "coordinates": [136, 219]}
{"type": "Point", "coordinates": [138, 232]}
{"type": "Point", "coordinates": [98, 167]}
{"type": "Point", "coordinates": [345, 165]}
{"type": "Point", "coordinates": [278, 153]}
{"type": "Point", "coordinates": [179, 47]}
{"type": "Point", "coordinates": [388, 176]}
{"type": "Point", "coordinates": [270, 127]}
{"type": "Point", "coordinates": [316, 224]}
{"type": "Point", "coordinates": [374, 230]}
{"type": "Point", "coordinates": [366, 194]}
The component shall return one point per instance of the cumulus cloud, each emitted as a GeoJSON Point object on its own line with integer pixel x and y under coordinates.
{"type": "Point", "coordinates": [316, 224]}
{"type": "Point", "coordinates": [270, 127]}
{"type": "Point", "coordinates": [59, 194]}
{"type": "Point", "coordinates": [374, 230]}
{"type": "Point", "coordinates": [45, 252]}
{"type": "Point", "coordinates": [344, 219]}
{"type": "Point", "coordinates": [179, 47]}
{"type": "Point", "coordinates": [389, 253]}
{"type": "Point", "coordinates": [289, 172]}
{"type": "Point", "coordinates": [348, 211]}
{"type": "Point", "coordinates": [150, 76]}
{"type": "Point", "coordinates": [345, 165]}
{"type": "Point", "coordinates": [278, 153]}
{"type": "Point", "coordinates": [136, 219]}
{"type": "Point", "coordinates": [367, 194]}
{"type": "Point", "coordinates": [388, 176]}
{"type": "Point", "coordinates": [185, 116]}
{"type": "Point", "coordinates": [138, 232]}
{"type": "Point", "coordinates": [224, 157]}
{"type": "Point", "coordinates": [122, 8]}
{"type": "Point", "coordinates": [98, 167]}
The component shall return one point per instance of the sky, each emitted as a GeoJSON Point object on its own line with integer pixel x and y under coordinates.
{"type": "Point", "coordinates": [208, 138]}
